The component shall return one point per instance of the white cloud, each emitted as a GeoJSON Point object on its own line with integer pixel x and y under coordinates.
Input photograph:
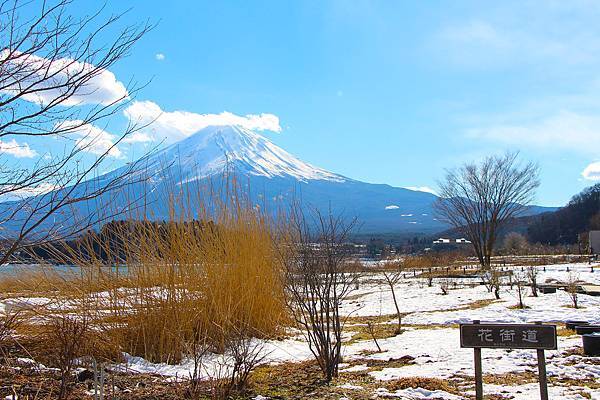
{"type": "Point", "coordinates": [137, 137]}
{"type": "Point", "coordinates": [176, 125]}
{"type": "Point", "coordinates": [19, 194]}
{"type": "Point", "coordinates": [501, 37]}
{"type": "Point", "coordinates": [592, 172]}
{"type": "Point", "coordinates": [102, 88]}
{"type": "Point", "coordinates": [563, 130]}
{"type": "Point", "coordinates": [92, 139]}
{"type": "Point", "coordinates": [392, 207]}
{"type": "Point", "coordinates": [19, 150]}
{"type": "Point", "coordinates": [475, 32]}
{"type": "Point", "coordinates": [426, 189]}
{"type": "Point", "coordinates": [159, 56]}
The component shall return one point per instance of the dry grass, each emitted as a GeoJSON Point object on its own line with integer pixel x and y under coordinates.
{"type": "Point", "coordinates": [425, 383]}
{"type": "Point", "coordinates": [380, 331]}
{"type": "Point", "coordinates": [510, 379]}
{"type": "Point", "coordinates": [211, 271]}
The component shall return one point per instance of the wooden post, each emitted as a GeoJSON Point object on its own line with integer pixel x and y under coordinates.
{"type": "Point", "coordinates": [95, 379]}
{"type": "Point", "coordinates": [478, 372]}
{"type": "Point", "coordinates": [101, 381]}
{"type": "Point", "coordinates": [542, 372]}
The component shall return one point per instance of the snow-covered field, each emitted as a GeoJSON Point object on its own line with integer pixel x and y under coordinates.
{"type": "Point", "coordinates": [432, 339]}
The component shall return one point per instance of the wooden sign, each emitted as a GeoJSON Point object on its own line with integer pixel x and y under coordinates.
{"type": "Point", "coordinates": [508, 336]}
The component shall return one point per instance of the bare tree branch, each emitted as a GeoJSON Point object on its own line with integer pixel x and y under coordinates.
{"type": "Point", "coordinates": [51, 64]}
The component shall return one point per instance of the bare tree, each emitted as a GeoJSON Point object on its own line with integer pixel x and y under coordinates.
{"type": "Point", "coordinates": [392, 278]}
{"type": "Point", "coordinates": [318, 279]}
{"type": "Point", "coordinates": [532, 276]}
{"type": "Point", "coordinates": [515, 244]}
{"type": "Point", "coordinates": [51, 66]}
{"type": "Point", "coordinates": [478, 199]}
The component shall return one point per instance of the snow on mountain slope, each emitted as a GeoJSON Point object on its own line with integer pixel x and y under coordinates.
{"type": "Point", "coordinates": [213, 149]}
{"type": "Point", "coordinates": [274, 179]}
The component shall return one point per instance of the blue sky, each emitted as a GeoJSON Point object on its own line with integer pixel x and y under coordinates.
{"type": "Point", "coordinates": [381, 91]}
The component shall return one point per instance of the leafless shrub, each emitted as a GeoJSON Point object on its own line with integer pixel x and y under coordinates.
{"type": "Point", "coordinates": [572, 288]}
{"type": "Point", "coordinates": [247, 353]}
{"type": "Point", "coordinates": [318, 280]}
{"type": "Point", "coordinates": [62, 340]}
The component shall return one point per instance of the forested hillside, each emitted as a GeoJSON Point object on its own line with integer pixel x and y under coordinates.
{"type": "Point", "coordinates": [563, 226]}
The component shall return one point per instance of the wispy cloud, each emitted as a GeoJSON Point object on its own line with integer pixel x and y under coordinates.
{"type": "Point", "coordinates": [565, 130]}
{"type": "Point", "coordinates": [19, 194]}
{"type": "Point", "coordinates": [176, 125]}
{"type": "Point", "coordinates": [28, 69]}
{"type": "Point", "coordinates": [91, 139]}
{"type": "Point", "coordinates": [18, 150]}
{"type": "Point", "coordinates": [534, 36]}
{"type": "Point", "coordinates": [159, 56]}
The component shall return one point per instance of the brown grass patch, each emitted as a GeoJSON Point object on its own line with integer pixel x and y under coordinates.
{"type": "Point", "coordinates": [425, 383]}
{"type": "Point", "coordinates": [511, 378]}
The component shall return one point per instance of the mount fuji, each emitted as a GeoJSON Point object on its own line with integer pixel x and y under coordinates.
{"type": "Point", "coordinates": [272, 177]}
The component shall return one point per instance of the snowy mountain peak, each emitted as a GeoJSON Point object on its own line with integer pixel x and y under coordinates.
{"type": "Point", "coordinates": [213, 149]}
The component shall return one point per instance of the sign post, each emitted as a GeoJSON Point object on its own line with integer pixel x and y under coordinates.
{"type": "Point", "coordinates": [508, 336]}
{"type": "Point", "coordinates": [542, 372]}
{"type": "Point", "coordinates": [478, 370]}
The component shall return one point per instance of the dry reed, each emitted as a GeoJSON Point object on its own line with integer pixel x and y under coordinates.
{"type": "Point", "coordinates": [212, 267]}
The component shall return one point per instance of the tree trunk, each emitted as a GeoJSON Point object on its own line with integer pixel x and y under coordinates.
{"type": "Point", "coordinates": [397, 310]}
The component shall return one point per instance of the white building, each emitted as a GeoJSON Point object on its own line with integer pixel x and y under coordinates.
{"type": "Point", "coordinates": [594, 242]}
{"type": "Point", "coordinates": [451, 241]}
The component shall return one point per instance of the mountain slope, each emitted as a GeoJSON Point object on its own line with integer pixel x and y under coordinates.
{"type": "Point", "coordinates": [273, 178]}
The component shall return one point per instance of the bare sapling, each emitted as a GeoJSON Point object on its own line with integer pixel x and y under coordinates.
{"type": "Point", "coordinates": [318, 280]}
{"type": "Point", "coordinates": [519, 281]}
{"type": "Point", "coordinates": [429, 278]}
{"type": "Point", "coordinates": [445, 286]}
{"type": "Point", "coordinates": [532, 277]}
{"type": "Point", "coordinates": [392, 278]}
{"type": "Point", "coordinates": [572, 286]}
{"type": "Point", "coordinates": [492, 280]}
{"type": "Point", "coordinates": [371, 330]}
